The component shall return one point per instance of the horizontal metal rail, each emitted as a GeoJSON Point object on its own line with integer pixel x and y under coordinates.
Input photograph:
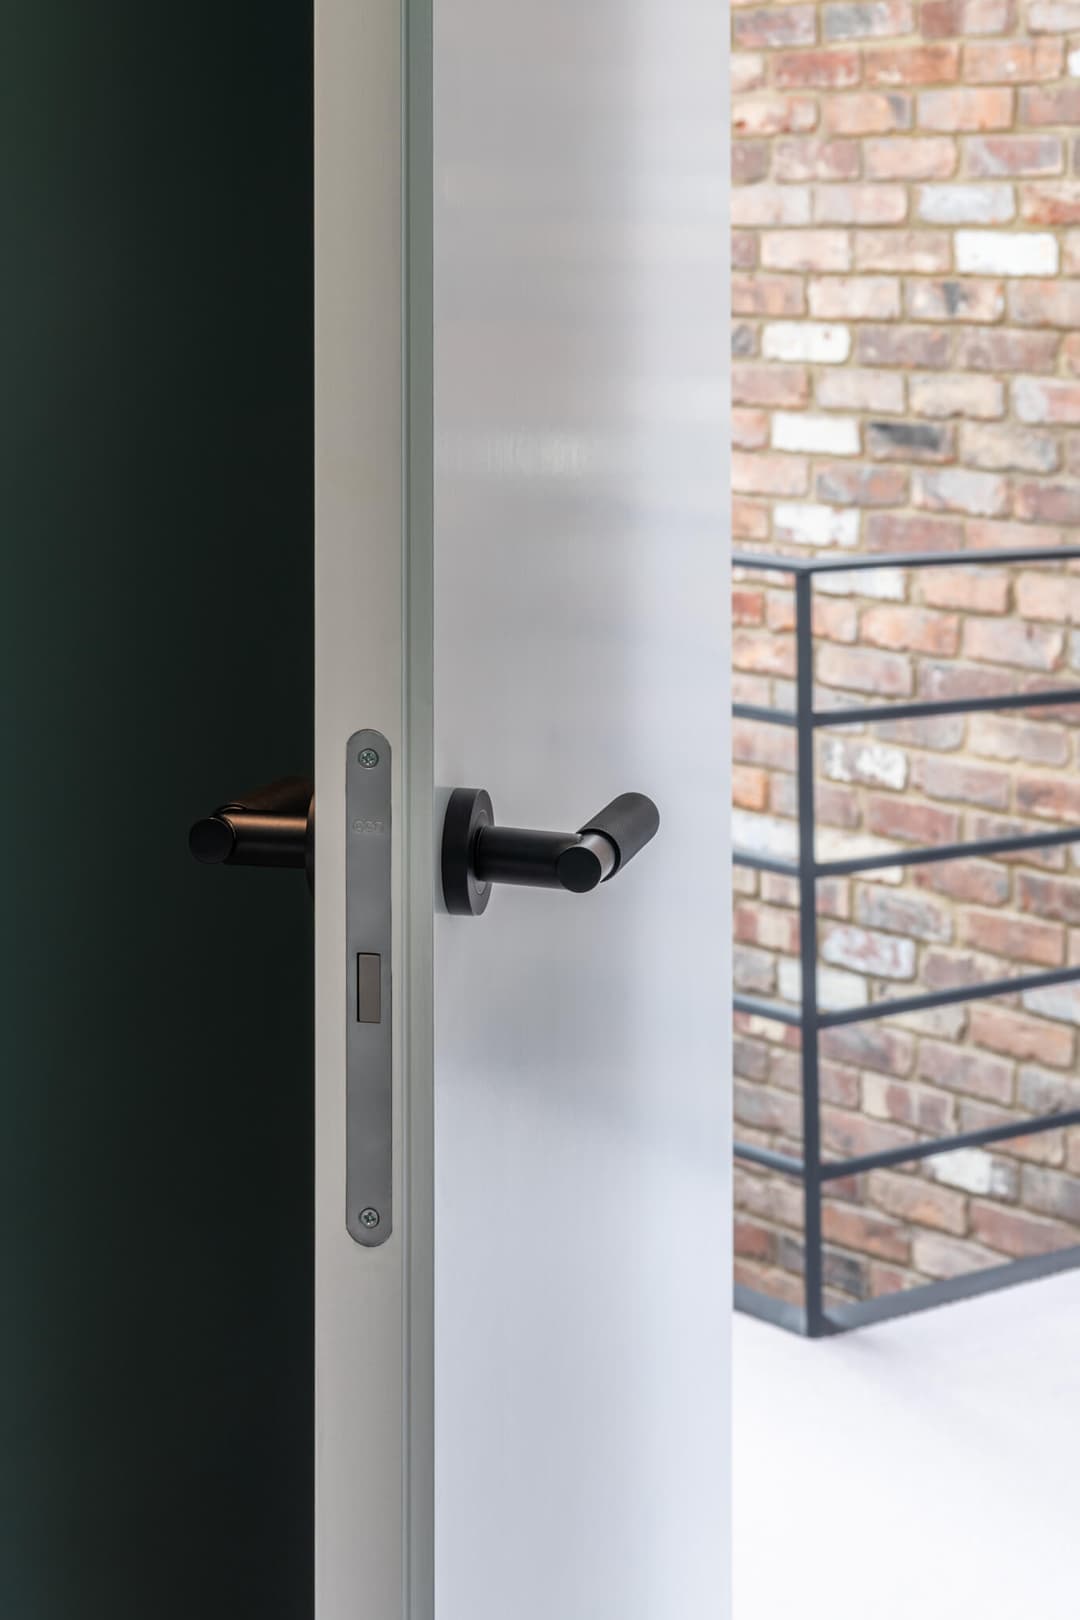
{"type": "Point", "coordinates": [863, 561]}
{"type": "Point", "coordinates": [758, 711]}
{"type": "Point", "coordinates": [778, 1012]}
{"type": "Point", "coordinates": [851, 865]}
{"type": "Point", "coordinates": [924, 856]}
{"type": "Point", "coordinates": [837, 1169]}
{"type": "Point", "coordinates": [908, 1152]}
{"type": "Point", "coordinates": [928, 710]}
{"type": "Point", "coordinates": [979, 991]}
{"type": "Point", "coordinates": [769, 1159]}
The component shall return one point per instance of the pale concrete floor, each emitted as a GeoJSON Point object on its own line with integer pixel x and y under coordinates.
{"type": "Point", "coordinates": [926, 1469]}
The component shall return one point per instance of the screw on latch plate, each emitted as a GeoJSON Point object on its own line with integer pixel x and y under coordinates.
{"type": "Point", "coordinates": [367, 758]}
{"type": "Point", "coordinates": [370, 1218]}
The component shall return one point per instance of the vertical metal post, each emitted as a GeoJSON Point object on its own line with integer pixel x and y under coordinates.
{"type": "Point", "coordinates": [808, 953]}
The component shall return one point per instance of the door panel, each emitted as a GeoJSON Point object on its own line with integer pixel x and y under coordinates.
{"type": "Point", "coordinates": [156, 1123]}
{"type": "Point", "coordinates": [581, 650]}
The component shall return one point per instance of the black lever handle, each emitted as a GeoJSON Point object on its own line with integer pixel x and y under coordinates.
{"type": "Point", "coordinates": [270, 826]}
{"type": "Point", "coordinates": [476, 853]}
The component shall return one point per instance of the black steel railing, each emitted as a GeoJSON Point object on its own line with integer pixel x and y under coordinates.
{"type": "Point", "coordinates": [816, 1316]}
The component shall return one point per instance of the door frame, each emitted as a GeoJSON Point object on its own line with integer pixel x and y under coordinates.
{"type": "Point", "coordinates": [373, 491]}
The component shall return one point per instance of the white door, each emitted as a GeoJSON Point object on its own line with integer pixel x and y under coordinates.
{"type": "Point", "coordinates": [522, 586]}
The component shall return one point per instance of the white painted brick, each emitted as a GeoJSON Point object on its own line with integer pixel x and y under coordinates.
{"type": "Point", "coordinates": [955, 489]}
{"type": "Point", "coordinates": [967, 205]}
{"type": "Point", "coordinates": [882, 584]}
{"type": "Point", "coordinates": [810, 525]}
{"type": "Point", "coordinates": [764, 835]}
{"type": "Point", "coordinates": [1006, 253]}
{"type": "Point", "coordinates": [864, 950]}
{"type": "Point", "coordinates": [846, 761]}
{"type": "Point", "coordinates": [815, 342]}
{"type": "Point", "coordinates": [815, 435]}
{"type": "Point", "coordinates": [836, 989]}
{"type": "Point", "coordinates": [973, 1171]}
{"type": "Point", "coordinates": [1056, 1001]}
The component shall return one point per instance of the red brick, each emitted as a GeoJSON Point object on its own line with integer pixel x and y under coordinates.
{"type": "Point", "coordinates": [1016, 1233]}
{"type": "Point", "coordinates": [774, 115]}
{"type": "Point", "coordinates": [862, 486]}
{"type": "Point", "coordinates": [1049, 897]}
{"type": "Point", "coordinates": [747, 606]}
{"type": "Point", "coordinates": [806, 250]}
{"type": "Point", "coordinates": [962, 782]}
{"type": "Point", "coordinates": [886, 532]}
{"type": "Point", "coordinates": [775, 386]}
{"type": "Point", "coordinates": [973, 590]}
{"type": "Point", "coordinates": [874, 204]}
{"type": "Point", "coordinates": [1053, 798]}
{"type": "Point", "coordinates": [754, 473]}
{"type": "Point", "coordinates": [857, 669]}
{"type": "Point", "coordinates": [805, 158]}
{"type": "Point", "coordinates": [750, 787]}
{"type": "Point", "coordinates": [911, 629]}
{"type": "Point", "coordinates": [772, 26]}
{"type": "Point", "coordinates": [907, 346]}
{"type": "Point", "coordinates": [1015, 61]}
{"type": "Point", "coordinates": [1002, 737]}
{"type": "Point", "coordinates": [749, 429]}
{"type": "Point", "coordinates": [911, 915]}
{"type": "Point", "coordinates": [910, 1198]}
{"type": "Point", "coordinates": [744, 256]}
{"type": "Point", "coordinates": [846, 1135]}
{"type": "Point", "coordinates": [973, 881]}
{"type": "Point", "coordinates": [912, 64]}
{"type": "Point", "coordinates": [989, 156]}
{"type": "Point", "coordinates": [1051, 202]}
{"type": "Point", "coordinates": [1018, 939]}
{"type": "Point", "coordinates": [1003, 350]}
{"type": "Point", "coordinates": [753, 743]}
{"type": "Point", "coordinates": [1059, 105]}
{"type": "Point", "coordinates": [979, 1075]}
{"type": "Point", "coordinates": [956, 300]}
{"type": "Point", "coordinates": [923, 251]}
{"type": "Point", "coordinates": [1049, 595]}
{"type": "Point", "coordinates": [1026, 646]}
{"type": "Point", "coordinates": [763, 654]}
{"type": "Point", "coordinates": [967, 110]}
{"type": "Point", "coordinates": [1017, 1035]}
{"type": "Point", "coordinates": [927, 158]}
{"type": "Point", "coordinates": [1052, 1194]}
{"type": "Point", "coordinates": [749, 162]}
{"type": "Point", "coordinates": [767, 295]}
{"type": "Point", "coordinates": [912, 823]}
{"type": "Point", "coordinates": [817, 70]}
{"type": "Point", "coordinates": [1048, 503]}
{"type": "Point", "coordinates": [1046, 1147]}
{"type": "Point", "coordinates": [958, 19]}
{"type": "Point", "coordinates": [749, 521]}
{"type": "Point", "coordinates": [867, 113]}
{"type": "Point", "coordinates": [866, 1232]}
{"type": "Point", "coordinates": [753, 1239]}
{"type": "Point", "coordinates": [870, 1046]}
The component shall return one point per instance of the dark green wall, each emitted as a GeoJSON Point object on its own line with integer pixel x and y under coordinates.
{"type": "Point", "coordinates": [156, 1131]}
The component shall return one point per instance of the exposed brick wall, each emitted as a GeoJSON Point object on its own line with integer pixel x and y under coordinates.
{"type": "Point", "coordinates": [907, 378]}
